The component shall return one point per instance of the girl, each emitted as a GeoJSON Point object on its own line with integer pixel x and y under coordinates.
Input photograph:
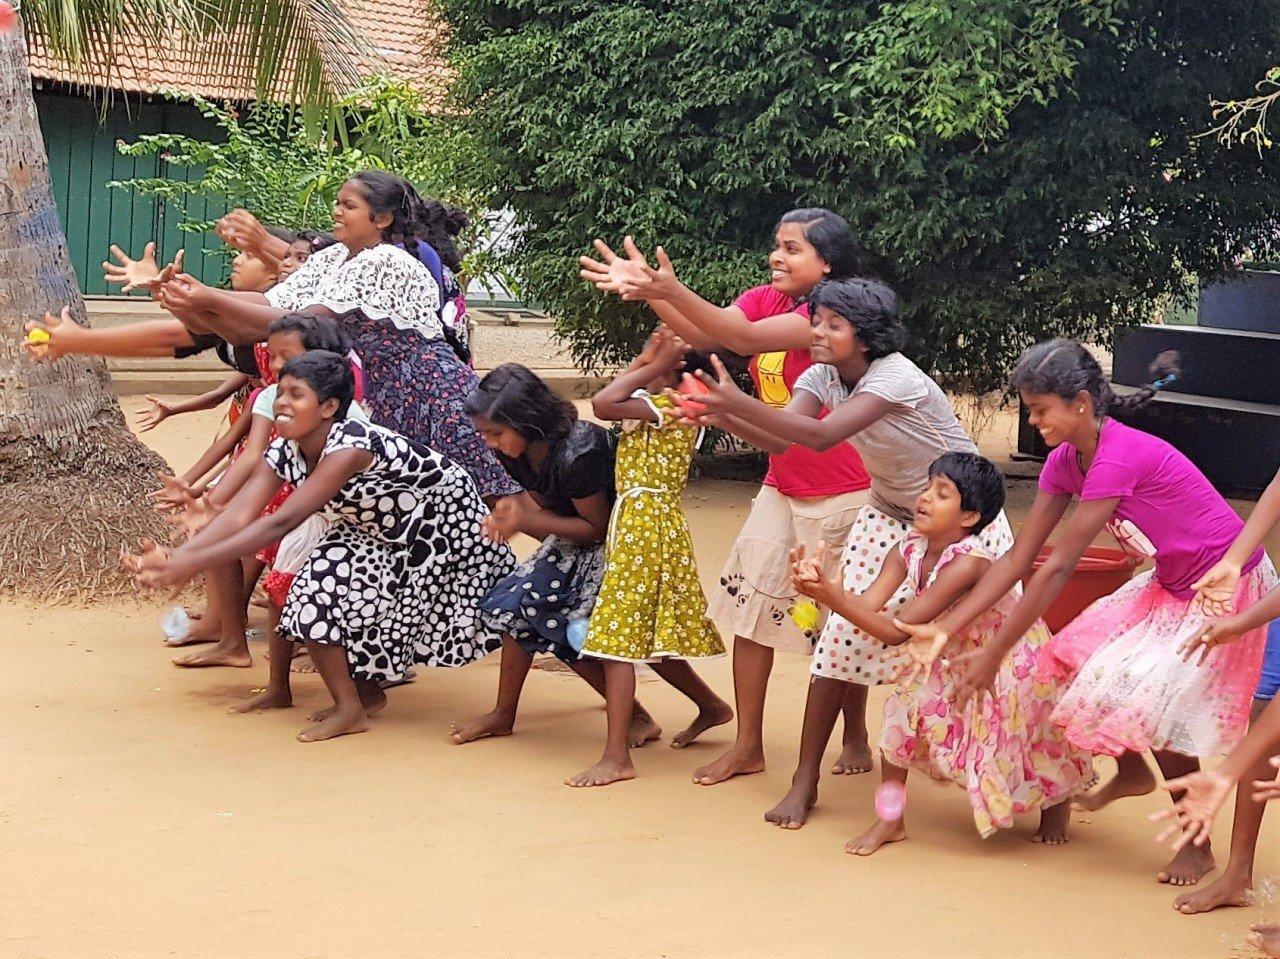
{"type": "Point", "coordinates": [566, 467]}
{"type": "Point", "coordinates": [389, 308]}
{"type": "Point", "coordinates": [1000, 749]}
{"type": "Point", "coordinates": [1131, 691]}
{"type": "Point", "coordinates": [900, 422]}
{"type": "Point", "coordinates": [807, 498]}
{"type": "Point", "coordinates": [288, 337]}
{"type": "Point", "coordinates": [400, 572]}
{"type": "Point", "coordinates": [300, 250]}
{"type": "Point", "coordinates": [651, 608]}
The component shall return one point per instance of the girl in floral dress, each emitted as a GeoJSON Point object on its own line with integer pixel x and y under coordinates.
{"type": "Point", "coordinates": [400, 572]}
{"type": "Point", "coordinates": [1000, 748]}
{"type": "Point", "coordinates": [651, 607]}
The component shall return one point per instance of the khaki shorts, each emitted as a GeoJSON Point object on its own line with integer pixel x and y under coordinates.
{"type": "Point", "coordinates": [754, 597]}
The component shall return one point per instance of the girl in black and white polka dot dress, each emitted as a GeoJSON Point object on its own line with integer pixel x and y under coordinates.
{"type": "Point", "coordinates": [398, 577]}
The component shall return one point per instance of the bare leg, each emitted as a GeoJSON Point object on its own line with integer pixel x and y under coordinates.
{"type": "Point", "coordinates": [1191, 861]}
{"type": "Point", "coordinates": [821, 707]}
{"type": "Point", "coordinates": [348, 716]}
{"type": "Point", "coordinates": [223, 582]}
{"type": "Point", "coordinates": [1234, 886]}
{"type": "Point", "coordinates": [643, 728]}
{"type": "Point", "coordinates": [620, 700]}
{"type": "Point", "coordinates": [712, 710]}
{"type": "Point", "coordinates": [883, 831]}
{"type": "Point", "coordinates": [253, 568]}
{"type": "Point", "coordinates": [501, 720]}
{"type": "Point", "coordinates": [1132, 778]}
{"type": "Point", "coordinates": [205, 628]}
{"type": "Point", "coordinates": [277, 695]}
{"type": "Point", "coordinates": [855, 756]}
{"type": "Point", "coordinates": [752, 663]}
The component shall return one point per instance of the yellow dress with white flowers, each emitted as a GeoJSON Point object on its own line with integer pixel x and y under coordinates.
{"type": "Point", "coordinates": [651, 602]}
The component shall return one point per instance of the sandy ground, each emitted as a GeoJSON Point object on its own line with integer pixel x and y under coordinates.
{"type": "Point", "coordinates": [142, 820]}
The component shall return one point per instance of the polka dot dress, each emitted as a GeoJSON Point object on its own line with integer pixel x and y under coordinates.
{"type": "Point", "coordinates": [844, 651]}
{"type": "Point", "coordinates": [398, 577]}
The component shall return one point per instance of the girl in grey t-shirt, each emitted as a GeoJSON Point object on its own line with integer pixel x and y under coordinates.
{"type": "Point", "coordinates": [900, 422]}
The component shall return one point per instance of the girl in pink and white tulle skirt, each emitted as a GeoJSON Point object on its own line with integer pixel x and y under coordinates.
{"type": "Point", "coordinates": [1138, 682]}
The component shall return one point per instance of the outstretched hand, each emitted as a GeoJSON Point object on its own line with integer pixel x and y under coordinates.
{"type": "Point", "coordinates": [153, 414]}
{"type": "Point", "coordinates": [921, 651]}
{"type": "Point", "coordinates": [975, 672]}
{"type": "Point", "coordinates": [242, 230]}
{"type": "Point", "coordinates": [722, 396]}
{"type": "Point", "coordinates": [1191, 818]}
{"type": "Point", "coordinates": [612, 273]}
{"type": "Point", "coordinates": [1216, 590]}
{"type": "Point", "coordinates": [172, 495]}
{"type": "Point", "coordinates": [503, 522]}
{"type": "Point", "coordinates": [1265, 790]}
{"type": "Point", "coordinates": [1196, 649]}
{"type": "Point", "coordinates": [182, 293]}
{"type": "Point", "coordinates": [153, 567]}
{"type": "Point", "coordinates": [53, 336]}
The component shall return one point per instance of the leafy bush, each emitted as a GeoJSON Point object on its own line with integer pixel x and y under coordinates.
{"type": "Point", "coordinates": [1027, 168]}
{"type": "Point", "coordinates": [272, 162]}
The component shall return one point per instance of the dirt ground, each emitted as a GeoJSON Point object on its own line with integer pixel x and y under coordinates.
{"type": "Point", "coordinates": [142, 820]}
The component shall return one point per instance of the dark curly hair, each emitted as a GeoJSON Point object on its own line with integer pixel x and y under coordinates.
{"type": "Point", "coordinates": [316, 332]}
{"type": "Point", "coordinates": [870, 307]}
{"type": "Point", "coordinates": [514, 396]}
{"type": "Point", "coordinates": [413, 218]}
{"type": "Point", "coordinates": [980, 483]}
{"type": "Point", "coordinates": [328, 374]}
{"type": "Point", "coordinates": [1065, 368]}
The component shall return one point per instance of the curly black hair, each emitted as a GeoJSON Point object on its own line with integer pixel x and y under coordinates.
{"type": "Point", "coordinates": [514, 396]}
{"type": "Point", "coordinates": [316, 332]}
{"type": "Point", "coordinates": [980, 483]}
{"type": "Point", "coordinates": [328, 374]}
{"type": "Point", "coordinates": [870, 307]}
{"type": "Point", "coordinates": [1065, 368]}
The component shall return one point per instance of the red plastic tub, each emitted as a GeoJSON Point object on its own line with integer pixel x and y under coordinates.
{"type": "Point", "coordinates": [1099, 572]}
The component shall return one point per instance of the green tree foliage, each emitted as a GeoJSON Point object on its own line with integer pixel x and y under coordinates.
{"type": "Point", "coordinates": [270, 161]}
{"type": "Point", "coordinates": [1025, 169]}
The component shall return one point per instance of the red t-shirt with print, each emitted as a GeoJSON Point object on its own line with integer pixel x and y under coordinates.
{"type": "Point", "coordinates": [800, 471]}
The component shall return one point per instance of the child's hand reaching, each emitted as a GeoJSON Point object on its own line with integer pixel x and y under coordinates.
{"type": "Point", "coordinates": [723, 395]}
{"type": "Point", "coordinates": [1203, 795]}
{"type": "Point", "coordinates": [921, 653]}
{"type": "Point", "coordinates": [155, 568]}
{"type": "Point", "coordinates": [504, 521]}
{"type": "Point", "coordinates": [196, 513]}
{"type": "Point", "coordinates": [1211, 635]}
{"type": "Point", "coordinates": [131, 273]}
{"type": "Point", "coordinates": [1216, 589]}
{"type": "Point", "coordinates": [153, 414]}
{"type": "Point", "coordinates": [51, 338]}
{"type": "Point", "coordinates": [612, 273]}
{"type": "Point", "coordinates": [173, 494]}
{"type": "Point", "coordinates": [809, 578]}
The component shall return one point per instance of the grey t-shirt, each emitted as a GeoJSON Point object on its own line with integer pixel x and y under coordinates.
{"type": "Point", "coordinates": [898, 448]}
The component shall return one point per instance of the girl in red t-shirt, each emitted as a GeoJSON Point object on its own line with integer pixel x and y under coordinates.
{"type": "Point", "coordinates": [807, 498]}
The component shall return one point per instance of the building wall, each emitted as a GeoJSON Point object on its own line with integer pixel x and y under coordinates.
{"type": "Point", "coordinates": [81, 143]}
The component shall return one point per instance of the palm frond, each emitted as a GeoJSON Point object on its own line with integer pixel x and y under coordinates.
{"type": "Point", "coordinates": [304, 52]}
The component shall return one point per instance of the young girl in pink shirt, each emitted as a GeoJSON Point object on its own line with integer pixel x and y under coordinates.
{"type": "Point", "coordinates": [1132, 690]}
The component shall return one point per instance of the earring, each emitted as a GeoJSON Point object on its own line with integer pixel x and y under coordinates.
{"type": "Point", "coordinates": [1082, 409]}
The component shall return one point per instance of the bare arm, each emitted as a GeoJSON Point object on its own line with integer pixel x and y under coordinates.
{"type": "Point", "coordinates": [758, 438]}
{"type": "Point", "coordinates": [1216, 589]}
{"type": "Point", "coordinates": [247, 463]}
{"type": "Point", "coordinates": [660, 354]}
{"type": "Point", "coordinates": [589, 527]}
{"type": "Point", "coordinates": [240, 319]}
{"type": "Point", "coordinates": [151, 338]}
{"type": "Point", "coordinates": [218, 451]}
{"type": "Point", "coordinates": [207, 401]}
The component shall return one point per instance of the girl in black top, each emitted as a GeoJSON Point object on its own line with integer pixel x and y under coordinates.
{"type": "Point", "coordinates": [566, 468]}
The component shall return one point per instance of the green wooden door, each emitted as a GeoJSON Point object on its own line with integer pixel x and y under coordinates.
{"type": "Point", "coordinates": [83, 159]}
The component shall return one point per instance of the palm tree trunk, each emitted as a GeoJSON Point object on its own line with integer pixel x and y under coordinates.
{"type": "Point", "coordinates": [73, 479]}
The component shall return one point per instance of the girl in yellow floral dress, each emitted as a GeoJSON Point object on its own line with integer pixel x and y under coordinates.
{"type": "Point", "coordinates": [651, 607]}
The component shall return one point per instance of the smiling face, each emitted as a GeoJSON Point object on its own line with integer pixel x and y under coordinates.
{"type": "Point", "coordinates": [299, 252]}
{"type": "Point", "coordinates": [250, 274]}
{"type": "Point", "coordinates": [354, 223]}
{"type": "Point", "coordinates": [299, 412]}
{"type": "Point", "coordinates": [499, 438]}
{"type": "Point", "coordinates": [835, 340]}
{"type": "Point", "coordinates": [283, 347]}
{"type": "Point", "coordinates": [1058, 420]}
{"type": "Point", "coordinates": [939, 511]}
{"type": "Point", "coordinates": [796, 268]}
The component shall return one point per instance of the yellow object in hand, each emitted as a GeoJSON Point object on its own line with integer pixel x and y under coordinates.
{"type": "Point", "coordinates": [38, 336]}
{"type": "Point", "coordinates": [804, 613]}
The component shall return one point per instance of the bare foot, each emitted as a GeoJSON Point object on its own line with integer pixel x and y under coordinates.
{"type": "Point", "coordinates": [195, 613]}
{"type": "Point", "coordinates": [267, 699]}
{"type": "Point", "coordinates": [482, 727]}
{"type": "Point", "coordinates": [793, 811]}
{"type": "Point", "coordinates": [1053, 825]}
{"type": "Point", "coordinates": [733, 762]}
{"type": "Point", "coordinates": [854, 758]}
{"type": "Point", "coordinates": [1139, 783]}
{"type": "Point", "coordinates": [1266, 937]}
{"type": "Point", "coordinates": [302, 664]}
{"type": "Point", "coordinates": [337, 724]}
{"type": "Point", "coordinates": [1186, 868]}
{"type": "Point", "coordinates": [706, 719]}
{"type": "Point", "coordinates": [1229, 889]}
{"type": "Point", "coordinates": [602, 773]}
{"type": "Point", "coordinates": [881, 833]}
{"type": "Point", "coordinates": [644, 730]}
{"type": "Point", "coordinates": [220, 655]}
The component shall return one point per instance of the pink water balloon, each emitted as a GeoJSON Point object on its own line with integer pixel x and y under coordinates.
{"type": "Point", "coordinates": [891, 800]}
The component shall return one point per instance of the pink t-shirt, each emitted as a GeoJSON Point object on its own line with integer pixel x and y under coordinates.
{"type": "Point", "coordinates": [800, 471]}
{"type": "Point", "coordinates": [1161, 492]}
